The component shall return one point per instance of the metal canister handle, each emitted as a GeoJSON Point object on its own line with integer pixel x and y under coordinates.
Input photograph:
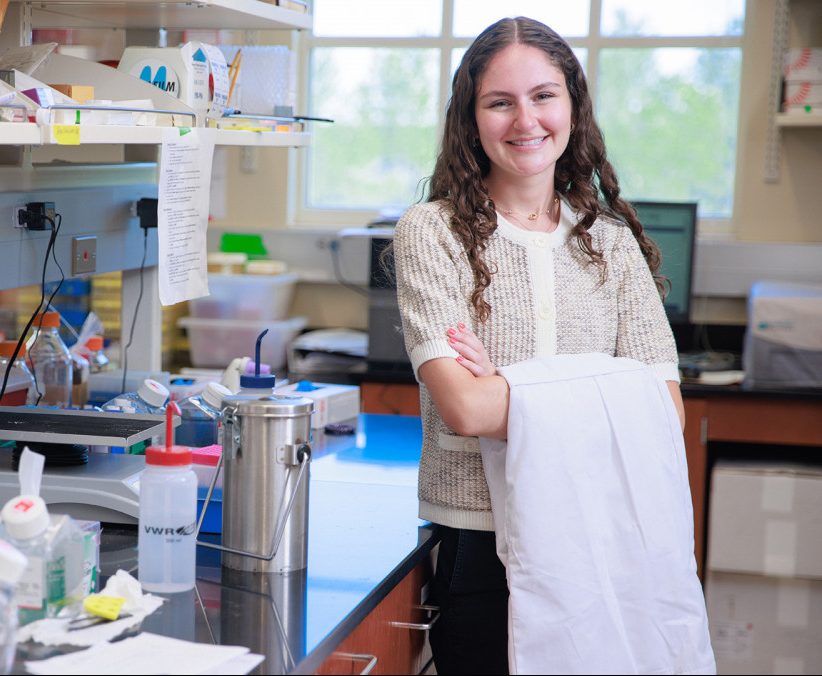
{"type": "Point", "coordinates": [302, 453]}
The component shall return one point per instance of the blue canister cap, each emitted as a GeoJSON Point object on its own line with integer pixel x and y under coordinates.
{"type": "Point", "coordinates": [257, 382]}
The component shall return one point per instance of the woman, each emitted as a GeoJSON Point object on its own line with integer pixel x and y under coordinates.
{"type": "Point", "coordinates": [524, 249]}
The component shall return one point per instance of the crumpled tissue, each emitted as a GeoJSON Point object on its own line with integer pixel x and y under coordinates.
{"type": "Point", "coordinates": [54, 631]}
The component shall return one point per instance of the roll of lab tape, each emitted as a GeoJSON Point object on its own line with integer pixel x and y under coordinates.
{"type": "Point", "coordinates": [219, 83]}
{"type": "Point", "coordinates": [181, 72]}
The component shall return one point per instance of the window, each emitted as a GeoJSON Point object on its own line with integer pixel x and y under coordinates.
{"type": "Point", "coordinates": [664, 76]}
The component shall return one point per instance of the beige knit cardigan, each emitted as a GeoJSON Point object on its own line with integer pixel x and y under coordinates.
{"type": "Point", "coordinates": [546, 298]}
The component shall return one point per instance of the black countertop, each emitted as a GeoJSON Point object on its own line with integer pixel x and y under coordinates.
{"type": "Point", "coordinates": [690, 389]}
{"type": "Point", "coordinates": [364, 537]}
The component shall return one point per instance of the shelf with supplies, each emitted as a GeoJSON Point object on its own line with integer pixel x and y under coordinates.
{"type": "Point", "coordinates": [30, 133]}
{"type": "Point", "coordinates": [169, 14]}
{"type": "Point", "coordinates": [147, 111]}
{"type": "Point", "coordinates": [778, 120]}
{"type": "Point", "coordinates": [799, 120]}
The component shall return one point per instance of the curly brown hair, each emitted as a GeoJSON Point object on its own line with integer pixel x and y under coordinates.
{"type": "Point", "coordinates": [583, 175]}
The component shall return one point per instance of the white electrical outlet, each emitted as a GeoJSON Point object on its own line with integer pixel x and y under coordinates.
{"type": "Point", "coordinates": [15, 211]}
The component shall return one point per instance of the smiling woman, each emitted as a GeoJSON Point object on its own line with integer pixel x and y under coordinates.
{"type": "Point", "coordinates": [524, 250]}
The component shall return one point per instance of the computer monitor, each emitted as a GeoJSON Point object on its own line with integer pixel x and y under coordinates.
{"type": "Point", "coordinates": [672, 225]}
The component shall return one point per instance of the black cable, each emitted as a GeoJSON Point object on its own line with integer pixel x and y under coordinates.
{"type": "Point", "coordinates": [54, 258]}
{"type": "Point", "coordinates": [49, 249]}
{"type": "Point", "coordinates": [334, 248]}
{"type": "Point", "coordinates": [136, 310]}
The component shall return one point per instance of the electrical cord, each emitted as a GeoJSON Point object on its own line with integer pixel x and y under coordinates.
{"type": "Point", "coordinates": [136, 311]}
{"type": "Point", "coordinates": [55, 229]}
{"type": "Point", "coordinates": [334, 248]}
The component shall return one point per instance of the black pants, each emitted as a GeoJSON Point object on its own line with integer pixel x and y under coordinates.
{"type": "Point", "coordinates": [471, 634]}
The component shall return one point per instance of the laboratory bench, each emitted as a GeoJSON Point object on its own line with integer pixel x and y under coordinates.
{"type": "Point", "coordinates": [359, 603]}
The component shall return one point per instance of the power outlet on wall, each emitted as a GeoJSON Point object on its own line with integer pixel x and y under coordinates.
{"type": "Point", "coordinates": [83, 255]}
{"type": "Point", "coordinates": [15, 216]}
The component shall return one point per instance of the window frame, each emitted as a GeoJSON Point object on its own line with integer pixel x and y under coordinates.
{"type": "Point", "coordinates": [303, 216]}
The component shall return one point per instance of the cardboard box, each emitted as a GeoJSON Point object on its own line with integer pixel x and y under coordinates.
{"type": "Point", "coordinates": [332, 403]}
{"type": "Point", "coordinates": [765, 519]}
{"type": "Point", "coordinates": [803, 65]}
{"type": "Point", "coordinates": [798, 95]}
{"type": "Point", "coordinates": [764, 625]}
{"type": "Point", "coordinates": [80, 93]}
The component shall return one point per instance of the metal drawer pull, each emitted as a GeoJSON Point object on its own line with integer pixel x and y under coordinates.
{"type": "Point", "coordinates": [360, 657]}
{"type": "Point", "coordinates": [419, 626]}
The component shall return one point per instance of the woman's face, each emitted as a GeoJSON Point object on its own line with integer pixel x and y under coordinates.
{"type": "Point", "coordinates": [523, 113]}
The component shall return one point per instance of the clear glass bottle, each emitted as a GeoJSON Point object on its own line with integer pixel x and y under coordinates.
{"type": "Point", "coordinates": [50, 361]}
{"type": "Point", "coordinates": [166, 539]}
{"type": "Point", "coordinates": [12, 566]}
{"type": "Point", "coordinates": [20, 373]}
{"type": "Point", "coordinates": [150, 397]}
{"type": "Point", "coordinates": [200, 416]}
{"type": "Point", "coordinates": [41, 588]}
{"type": "Point", "coordinates": [93, 351]}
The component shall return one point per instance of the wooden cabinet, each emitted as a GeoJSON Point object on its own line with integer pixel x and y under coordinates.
{"type": "Point", "coordinates": [741, 418]}
{"type": "Point", "coordinates": [392, 639]}
{"type": "Point", "coordinates": [393, 398]}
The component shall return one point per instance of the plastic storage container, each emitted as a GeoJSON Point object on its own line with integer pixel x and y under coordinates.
{"type": "Point", "coordinates": [50, 361]}
{"type": "Point", "coordinates": [214, 343]}
{"type": "Point", "coordinates": [252, 297]}
{"type": "Point", "coordinates": [166, 540]}
{"type": "Point", "coordinates": [149, 398]}
{"type": "Point", "coordinates": [200, 416]}
{"type": "Point", "coordinates": [20, 385]}
{"type": "Point", "coordinates": [12, 566]}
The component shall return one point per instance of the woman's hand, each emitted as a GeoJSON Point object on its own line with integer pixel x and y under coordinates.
{"type": "Point", "coordinates": [471, 351]}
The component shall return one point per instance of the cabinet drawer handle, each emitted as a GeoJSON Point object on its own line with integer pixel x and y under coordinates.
{"type": "Point", "coordinates": [435, 614]}
{"type": "Point", "coordinates": [358, 657]}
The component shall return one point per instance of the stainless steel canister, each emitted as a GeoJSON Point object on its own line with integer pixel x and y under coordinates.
{"type": "Point", "coordinates": [265, 482]}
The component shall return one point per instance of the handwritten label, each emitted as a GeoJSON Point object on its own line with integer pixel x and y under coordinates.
{"type": "Point", "coordinates": [67, 134]}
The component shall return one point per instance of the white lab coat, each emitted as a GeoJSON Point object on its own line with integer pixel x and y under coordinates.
{"type": "Point", "coordinates": [594, 522]}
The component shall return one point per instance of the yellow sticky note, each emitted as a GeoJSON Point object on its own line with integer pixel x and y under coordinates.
{"type": "Point", "coordinates": [103, 606]}
{"type": "Point", "coordinates": [67, 134]}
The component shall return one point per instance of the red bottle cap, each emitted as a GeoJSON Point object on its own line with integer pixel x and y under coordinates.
{"type": "Point", "coordinates": [175, 456]}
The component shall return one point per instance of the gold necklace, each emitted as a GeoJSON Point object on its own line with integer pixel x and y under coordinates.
{"type": "Point", "coordinates": [533, 215]}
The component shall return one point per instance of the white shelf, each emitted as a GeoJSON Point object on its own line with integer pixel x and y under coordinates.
{"type": "Point", "coordinates": [19, 133]}
{"type": "Point", "coordinates": [171, 14]}
{"type": "Point", "coordinates": [266, 139]}
{"type": "Point", "coordinates": [799, 120]}
{"type": "Point", "coordinates": [25, 133]}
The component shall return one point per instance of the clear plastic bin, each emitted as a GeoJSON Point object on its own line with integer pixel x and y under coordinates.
{"type": "Point", "coordinates": [251, 297]}
{"type": "Point", "coordinates": [215, 342]}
